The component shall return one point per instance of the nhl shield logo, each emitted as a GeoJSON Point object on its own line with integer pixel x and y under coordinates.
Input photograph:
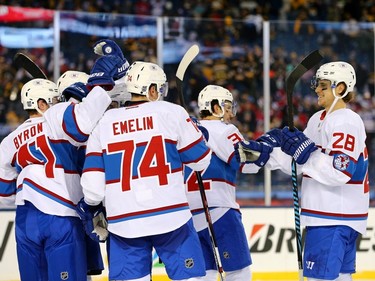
{"type": "Point", "coordinates": [226, 255]}
{"type": "Point", "coordinates": [341, 162]}
{"type": "Point", "coordinates": [189, 263]}
{"type": "Point", "coordinates": [64, 275]}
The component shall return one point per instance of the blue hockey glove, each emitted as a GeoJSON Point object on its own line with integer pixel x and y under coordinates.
{"type": "Point", "coordinates": [106, 47]}
{"type": "Point", "coordinates": [272, 137]}
{"type": "Point", "coordinates": [297, 145]}
{"type": "Point", "coordinates": [253, 152]}
{"type": "Point", "coordinates": [104, 71]}
{"type": "Point", "coordinates": [77, 91]}
{"type": "Point", "coordinates": [204, 131]}
{"type": "Point", "coordinates": [94, 222]}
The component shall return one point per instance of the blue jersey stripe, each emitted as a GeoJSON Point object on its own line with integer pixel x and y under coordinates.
{"type": "Point", "coordinates": [7, 187]}
{"type": "Point", "coordinates": [71, 127]}
{"type": "Point", "coordinates": [149, 213]}
{"type": "Point", "coordinates": [51, 195]}
{"type": "Point", "coordinates": [334, 216]}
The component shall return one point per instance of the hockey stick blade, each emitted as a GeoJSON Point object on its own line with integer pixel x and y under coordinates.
{"type": "Point", "coordinates": [23, 61]}
{"type": "Point", "coordinates": [189, 56]}
{"type": "Point", "coordinates": [307, 63]}
{"type": "Point", "coordinates": [186, 60]}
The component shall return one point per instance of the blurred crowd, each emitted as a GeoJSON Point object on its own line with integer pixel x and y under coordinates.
{"type": "Point", "coordinates": [317, 10]}
{"type": "Point", "coordinates": [229, 33]}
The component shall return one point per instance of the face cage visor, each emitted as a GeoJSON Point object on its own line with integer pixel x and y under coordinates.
{"type": "Point", "coordinates": [229, 106]}
{"type": "Point", "coordinates": [162, 89]}
{"type": "Point", "coordinates": [315, 83]}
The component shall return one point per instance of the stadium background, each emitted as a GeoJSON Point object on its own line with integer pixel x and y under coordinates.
{"type": "Point", "coordinates": [247, 46]}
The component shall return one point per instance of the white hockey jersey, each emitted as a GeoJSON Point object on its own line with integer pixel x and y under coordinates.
{"type": "Point", "coordinates": [41, 161]}
{"type": "Point", "coordinates": [219, 179]}
{"type": "Point", "coordinates": [335, 187]}
{"type": "Point", "coordinates": [134, 164]}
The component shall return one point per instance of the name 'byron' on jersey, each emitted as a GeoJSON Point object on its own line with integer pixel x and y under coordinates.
{"type": "Point", "coordinates": [41, 161]}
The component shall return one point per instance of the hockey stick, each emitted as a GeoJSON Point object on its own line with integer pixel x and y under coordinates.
{"type": "Point", "coordinates": [23, 61]}
{"type": "Point", "coordinates": [307, 63]}
{"type": "Point", "coordinates": [189, 56]}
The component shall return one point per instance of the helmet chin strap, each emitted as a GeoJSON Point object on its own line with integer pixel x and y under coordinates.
{"type": "Point", "coordinates": [221, 115]}
{"type": "Point", "coordinates": [218, 115]}
{"type": "Point", "coordinates": [39, 111]}
{"type": "Point", "coordinates": [337, 98]}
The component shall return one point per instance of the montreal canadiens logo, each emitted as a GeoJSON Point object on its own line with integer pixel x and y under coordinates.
{"type": "Point", "coordinates": [341, 162]}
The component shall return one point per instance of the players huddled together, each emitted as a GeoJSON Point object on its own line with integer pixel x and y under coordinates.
{"type": "Point", "coordinates": [103, 158]}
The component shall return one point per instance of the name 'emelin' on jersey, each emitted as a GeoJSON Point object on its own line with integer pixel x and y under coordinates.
{"type": "Point", "coordinates": [26, 134]}
{"type": "Point", "coordinates": [133, 125]}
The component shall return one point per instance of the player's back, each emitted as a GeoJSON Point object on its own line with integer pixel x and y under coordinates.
{"type": "Point", "coordinates": [220, 176]}
{"type": "Point", "coordinates": [145, 146]}
{"type": "Point", "coordinates": [48, 153]}
{"type": "Point", "coordinates": [48, 172]}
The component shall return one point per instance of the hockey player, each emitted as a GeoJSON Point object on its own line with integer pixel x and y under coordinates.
{"type": "Point", "coordinates": [39, 170]}
{"type": "Point", "coordinates": [334, 161]}
{"type": "Point", "coordinates": [70, 84]}
{"type": "Point", "coordinates": [216, 108]}
{"type": "Point", "coordinates": [134, 165]}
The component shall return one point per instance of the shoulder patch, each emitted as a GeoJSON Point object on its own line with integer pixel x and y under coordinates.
{"type": "Point", "coordinates": [341, 162]}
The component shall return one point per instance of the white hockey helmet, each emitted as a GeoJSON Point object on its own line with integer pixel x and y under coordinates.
{"type": "Point", "coordinates": [141, 75]}
{"type": "Point", "coordinates": [119, 92]}
{"type": "Point", "coordinates": [337, 72]}
{"type": "Point", "coordinates": [214, 92]}
{"type": "Point", "coordinates": [70, 77]}
{"type": "Point", "coordinates": [37, 89]}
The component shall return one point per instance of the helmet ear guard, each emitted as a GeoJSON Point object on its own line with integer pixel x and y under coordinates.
{"type": "Point", "coordinates": [142, 75]}
{"type": "Point", "coordinates": [37, 89]}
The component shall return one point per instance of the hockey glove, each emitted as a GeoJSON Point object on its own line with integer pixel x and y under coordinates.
{"type": "Point", "coordinates": [103, 72]}
{"type": "Point", "coordinates": [94, 222]}
{"type": "Point", "coordinates": [77, 91]}
{"type": "Point", "coordinates": [108, 47]}
{"type": "Point", "coordinates": [204, 131]}
{"type": "Point", "coordinates": [272, 137]}
{"type": "Point", "coordinates": [297, 145]}
{"type": "Point", "coordinates": [252, 152]}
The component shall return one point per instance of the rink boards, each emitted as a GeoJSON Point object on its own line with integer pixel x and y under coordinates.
{"type": "Point", "coordinates": [271, 237]}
